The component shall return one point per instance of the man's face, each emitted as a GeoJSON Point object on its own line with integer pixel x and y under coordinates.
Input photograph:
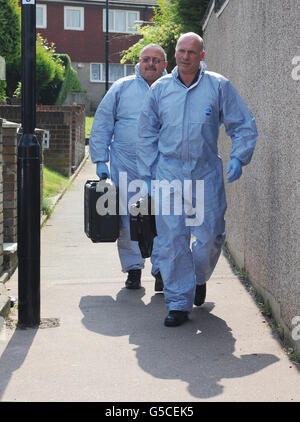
{"type": "Point", "coordinates": [188, 55]}
{"type": "Point", "coordinates": [150, 69]}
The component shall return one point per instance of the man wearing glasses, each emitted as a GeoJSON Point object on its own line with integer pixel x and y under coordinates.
{"type": "Point", "coordinates": [114, 139]}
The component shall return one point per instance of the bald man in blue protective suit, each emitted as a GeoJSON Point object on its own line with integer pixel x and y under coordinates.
{"type": "Point", "coordinates": [179, 128]}
{"type": "Point", "coordinates": [114, 138]}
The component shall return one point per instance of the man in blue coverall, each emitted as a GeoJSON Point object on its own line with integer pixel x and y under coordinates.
{"type": "Point", "coordinates": [114, 138]}
{"type": "Point", "coordinates": [179, 128]}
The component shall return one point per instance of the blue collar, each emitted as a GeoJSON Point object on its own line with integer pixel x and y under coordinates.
{"type": "Point", "coordinates": [194, 80]}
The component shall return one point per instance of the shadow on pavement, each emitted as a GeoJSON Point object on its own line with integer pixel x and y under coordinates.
{"type": "Point", "coordinates": [200, 352]}
{"type": "Point", "coordinates": [14, 355]}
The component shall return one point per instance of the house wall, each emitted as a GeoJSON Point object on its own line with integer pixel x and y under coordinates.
{"type": "Point", "coordinates": [253, 44]}
{"type": "Point", "coordinates": [88, 46]}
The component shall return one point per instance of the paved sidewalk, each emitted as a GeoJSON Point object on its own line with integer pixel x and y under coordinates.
{"type": "Point", "coordinates": [111, 344]}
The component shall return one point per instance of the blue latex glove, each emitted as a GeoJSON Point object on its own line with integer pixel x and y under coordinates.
{"type": "Point", "coordinates": [146, 189]}
{"type": "Point", "coordinates": [235, 167]}
{"type": "Point", "coordinates": [102, 169]}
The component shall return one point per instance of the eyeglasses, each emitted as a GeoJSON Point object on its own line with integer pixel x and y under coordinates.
{"type": "Point", "coordinates": [154, 60]}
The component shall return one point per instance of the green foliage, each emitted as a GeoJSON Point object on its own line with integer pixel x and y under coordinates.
{"type": "Point", "coordinates": [2, 90]}
{"type": "Point", "coordinates": [171, 19]}
{"type": "Point", "coordinates": [10, 29]}
{"type": "Point", "coordinates": [54, 74]}
{"type": "Point", "coordinates": [54, 77]}
{"type": "Point", "coordinates": [189, 14]}
{"type": "Point", "coordinates": [13, 74]}
{"type": "Point", "coordinates": [53, 182]}
{"type": "Point", "coordinates": [71, 82]}
{"type": "Point", "coordinates": [164, 32]}
{"type": "Point", "coordinates": [88, 125]}
{"type": "Point", "coordinates": [18, 92]}
{"type": "Point", "coordinates": [10, 41]}
{"type": "Point", "coordinates": [49, 72]}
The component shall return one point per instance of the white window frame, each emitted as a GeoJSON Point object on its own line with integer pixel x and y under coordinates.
{"type": "Point", "coordinates": [102, 72]}
{"type": "Point", "coordinates": [119, 10]}
{"type": "Point", "coordinates": [219, 12]}
{"type": "Point", "coordinates": [44, 9]}
{"type": "Point", "coordinates": [79, 28]}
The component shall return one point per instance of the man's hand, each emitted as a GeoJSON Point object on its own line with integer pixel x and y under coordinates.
{"type": "Point", "coordinates": [235, 167]}
{"type": "Point", "coordinates": [102, 170]}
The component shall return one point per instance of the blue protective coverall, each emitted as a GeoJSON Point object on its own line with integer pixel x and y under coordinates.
{"type": "Point", "coordinates": [114, 138]}
{"type": "Point", "coordinates": [179, 129]}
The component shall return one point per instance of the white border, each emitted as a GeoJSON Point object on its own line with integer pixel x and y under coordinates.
{"type": "Point", "coordinates": [222, 8]}
{"type": "Point", "coordinates": [102, 80]}
{"type": "Point", "coordinates": [44, 8]}
{"type": "Point", "coordinates": [208, 16]}
{"type": "Point", "coordinates": [119, 10]}
{"type": "Point", "coordinates": [81, 9]}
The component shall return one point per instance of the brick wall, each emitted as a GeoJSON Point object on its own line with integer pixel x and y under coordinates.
{"type": "Point", "coordinates": [10, 135]}
{"type": "Point", "coordinates": [78, 135]}
{"type": "Point", "coordinates": [9, 152]}
{"type": "Point", "coordinates": [66, 125]}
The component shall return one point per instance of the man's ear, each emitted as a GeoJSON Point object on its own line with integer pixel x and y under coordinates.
{"type": "Point", "coordinates": [166, 64]}
{"type": "Point", "coordinates": [202, 55]}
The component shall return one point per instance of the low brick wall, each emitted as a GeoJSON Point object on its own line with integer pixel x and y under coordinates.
{"type": "Point", "coordinates": [10, 135]}
{"type": "Point", "coordinates": [66, 125]}
{"type": "Point", "coordinates": [10, 144]}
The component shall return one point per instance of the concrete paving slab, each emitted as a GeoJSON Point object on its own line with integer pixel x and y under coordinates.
{"type": "Point", "coordinates": [110, 343]}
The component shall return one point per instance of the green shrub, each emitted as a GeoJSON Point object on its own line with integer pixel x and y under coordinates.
{"type": "Point", "coordinates": [164, 32]}
{"type": "Point", "coordinates": [55, 77]}
{"type": "Point", "coordinates": [171, 19]}
{"type": "Point", "coordinates": [71, 82]}
{"type": "Point", "coordinates": [10, 42]}
{"type": "Point", "coordinates": [49, 72]}
{"type": "Point", "coordinates": [10, 29]}
{"type": "Point", "coordinates": [2, 90]}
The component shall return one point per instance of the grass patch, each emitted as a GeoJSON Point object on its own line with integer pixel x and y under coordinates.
{"type": "Point", "coordinates": [88, 126]}
{"type": "Point", "coordinates": [53, 183]}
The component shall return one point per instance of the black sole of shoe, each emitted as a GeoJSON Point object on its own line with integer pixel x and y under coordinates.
{"type": "Point", "coordinates": [175, 324]}
{"type": "Point", "coordinates": [135, 287]}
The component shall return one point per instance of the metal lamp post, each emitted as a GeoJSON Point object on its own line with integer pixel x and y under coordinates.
{"type": "Point", "coordinates": [28, 180]}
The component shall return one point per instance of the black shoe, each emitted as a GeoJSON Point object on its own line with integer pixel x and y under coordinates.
{"type": "Point", "coordinates": [176, 318]}
{"type": "Point", "coordinates": [134, 279]}
{"type": "Point", "coordinates": [159, 284]}
{"type": "Point", "coordinates": [200, 294]}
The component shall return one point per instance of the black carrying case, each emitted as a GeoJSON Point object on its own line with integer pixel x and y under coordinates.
{"type": "Point", "coordinates": [143, 227]}
{"type": "Point", "coordinates": [100, 228]}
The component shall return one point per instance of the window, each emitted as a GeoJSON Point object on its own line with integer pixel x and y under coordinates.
{"type": "Point", "coordinates": [116, 71]}
{"type": "Point", "coordinates": [121, 21]}
{"type": "Point", "coordinates": [41, 16]}
{"type": "Point", "coordinates": [129, 69]}
{"type": "Point", "coordinates": [220, 5]}
{"type": "Point", "coordinates": [74, 18]}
